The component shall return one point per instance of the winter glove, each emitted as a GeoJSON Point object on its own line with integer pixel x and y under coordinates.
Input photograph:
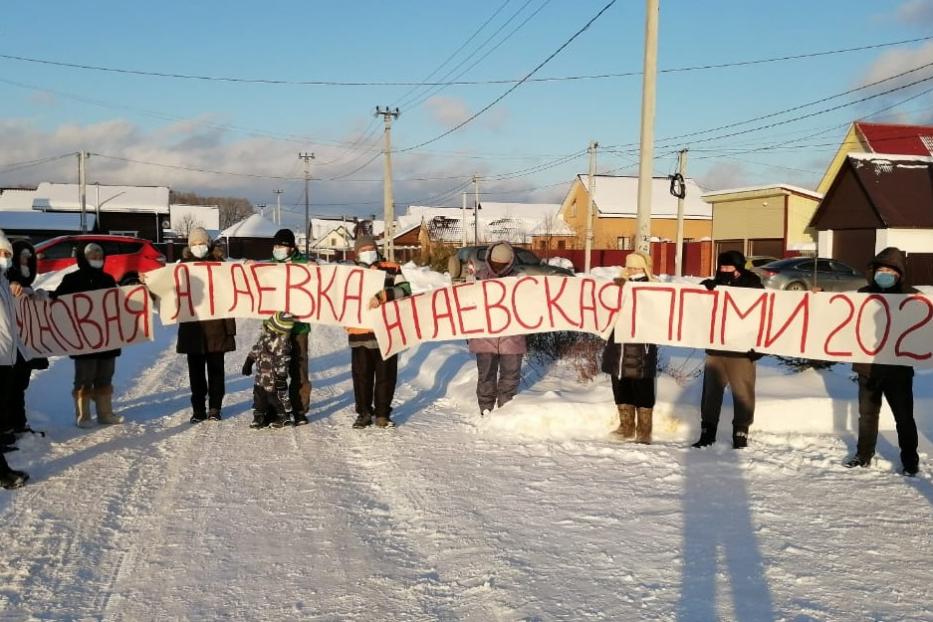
{"type": "Point", "coordinates": [248, 366]}
{"type": "Point", "coordinates": [620, 281]}
{"type": "Point", "coordinates": [709, 284]}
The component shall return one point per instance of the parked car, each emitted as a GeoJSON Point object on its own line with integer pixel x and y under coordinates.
{"type": "Point", "coordinates": [756, 261]}
{"type": "Point", "coordinates": [126, 257]}
{"type": "Point", "coordinates": [526, 262]}
{"type": "Point", "coordinates": [797, 274]}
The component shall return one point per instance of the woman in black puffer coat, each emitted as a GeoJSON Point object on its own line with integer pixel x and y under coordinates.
{"type": "Point", "coordinates": [633, 367]}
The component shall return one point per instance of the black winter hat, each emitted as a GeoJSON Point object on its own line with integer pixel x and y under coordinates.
{"type": "Point", "coordinates": [284, 237]}
{"type": "Point", "coordinates": [732, 258]}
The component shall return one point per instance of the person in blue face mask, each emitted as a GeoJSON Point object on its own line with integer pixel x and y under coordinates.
{"type": "Point", "coordinates": [887, 275]}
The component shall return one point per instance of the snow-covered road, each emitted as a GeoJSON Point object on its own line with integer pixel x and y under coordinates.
{"type": "Point", "coordinates": [446, 517]}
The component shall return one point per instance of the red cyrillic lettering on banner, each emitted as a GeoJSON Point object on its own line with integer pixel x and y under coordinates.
{"type": "Point", "coordinates": [45, 323]}
{"type": "Point", "coordinates": [56, 323]}
{"type": "Point", "coordinates": [553, 301]}
{"type": "Point", "coordinates": [353, 294]}
{"type": "Point", "coordinates": [260, 288]}
{"type": "Point", "coordinates": [588, 295]}
{"type": "Point", "coordinates": [518, 317]}
{"type": "Point", "coordinates": [839, 328]}
{"type": "Point", "coordinates": [898, 351]}
{"type": "Point", "coordinates": [413, 302]}
{"type": "Point", "coordinates": [140, 310]}
{"type": "Point", "coordinates": [396, 324]}
{"type": "Point", "coordinates": [209, 266]}
{"type": "Point", "coordinates": [323, 293]}
{"type": "Point", "coordinates": [803, 305]}
{"type": "Point", "coordinates": [291, 285]}
{"type": "Point", "coordinates": [83, 319]}
{"type": "Point", "coordinates": [448, 311]}
{"type": "Point", "coordinates": [110, 310]}
{"type": "Point", "coordinates": [237, 289]}
{"type": "Point", "coordinates": [182, 291]}
{"type": "Point", "coordinates": [614, 306]}
{"type": "Point", "coordinates": [887, 324]}
{"type": "Point", "coordinates": [489, 304]}
{"type": "Point", "coordinates": [461, 310]}
{"type": "Point", "coordinates": [680, 311]}
{"type": "Point", "coordinates": [728, 301]}
{"type": "Point", "coordinates": [25, 324]}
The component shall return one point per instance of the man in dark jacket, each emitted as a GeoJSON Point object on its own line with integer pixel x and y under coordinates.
{"type": "Point", "coordinates": [722, 368]}
{"type": "Point", "coordinates": [887, 275]}
{"type": "Point", "coordinates": [93, 372]}
{"type": "Point", "coordinates": [205, 342]}
{"type": "Point", "coordinates": [374, 379]}
{"type": "Point", "coordinates": [498, 359]}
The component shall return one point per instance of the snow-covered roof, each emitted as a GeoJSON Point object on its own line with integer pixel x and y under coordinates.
{"type": "Point", "coordinates": [14, 199]}
{"type": "Point", "coordinates": [30, 220]}
{"type": "Point", "coordinates": [617, 196]}
{"type": "Point", "coordinates": [890, 157]}
{"type": "Point", "coordinates": [513, 222]}
{"type": "Point", "coordinates": [787, 187]}
{"type": "Point", "coordinates": [135, 199]}
{"type": "Point", "coordinates": [254, 226]}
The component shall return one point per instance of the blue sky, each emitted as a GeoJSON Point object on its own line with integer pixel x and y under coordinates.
{"type": "Point", "coordinates": [187, 123]}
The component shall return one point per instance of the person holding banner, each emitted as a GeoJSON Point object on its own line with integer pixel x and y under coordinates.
{"type": "Point", "coordinates": [498, 359]}
{"type": "Point", "coordinates": [93, 372]}
{"type": "Point", "coordinates": [887, 275]}
{"type": "Point", "coordinates": [204, 343]}
{"type": "Point", "coordinates": [285, 250]}
{"type": "Point", "coordinates": [733, 369]}
{"type": "Point", "coordinates": [374, 379]}
{"type": "Point", "coordinates": [632, 367]}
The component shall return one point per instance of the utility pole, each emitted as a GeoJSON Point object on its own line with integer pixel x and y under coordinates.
{"type": "Point", "coordinates": [278, 206]}
{"type": "Point", "coordinates": [387, 115]}
{"type": "Point", "coordinates": [82, 188]}
{"type": "Point", "coordinates": [648, 97]}
{"type": "Point", "coordinates": [682, 172]}
{"type": "Point", "coordinates": [589, 207]}
{"type": "Point", "coordinates": [475, 209]}
{"type": "Point", "coordinates": [463, 221]}
{"type": "Point", "coordinates": [307, 157]}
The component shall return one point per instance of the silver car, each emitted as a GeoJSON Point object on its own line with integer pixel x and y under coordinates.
{"type": "Point", "coordinates": [798, 274]}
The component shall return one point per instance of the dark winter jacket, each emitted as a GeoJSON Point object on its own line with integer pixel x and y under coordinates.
{"type": "Point", "coordinates": [746, 278]}
{"type": "Point", "coordinates": [513, 344]}
{"type": "Point", "coordinates": [209, 336]}
{"type": "Point", "coordinates": [271, 356]}
{"type": "Point", "coordinates": [630, 360]}
{"type": "Point", "coordinates": [86, 279]}
{"type": "Point", "coordinates": [16, 275]}
{"type": "Point", "coordinates": [891, 258]}
{"type": "Point", "coordinates": [395, 287]}
{"type": "Point", "coordinates": [301, 328]}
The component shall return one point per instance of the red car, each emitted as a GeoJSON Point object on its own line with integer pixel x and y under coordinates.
{"type": "Point", "coordinates": [126, 257]}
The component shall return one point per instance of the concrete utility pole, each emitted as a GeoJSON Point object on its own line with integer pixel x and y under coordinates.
{"type": "Point", "coordinates": [648, 97]}
{"type": "Point", "coordinates": [388, 235]}
{"type": "Point", "coordinates": [307, 157]}
{"type": "Point", "coordinates": [463, 222]}
{"type": "Point", "coordinates": [475, 209]}
{"type": "Point", "coordinates": [682, 171]}
{"type": "Point", "coordinates": [588, 246]}
{"type": "Point", "coordinates": [82, 188]}
{"type": "Point", "coordinates": [278, 206]}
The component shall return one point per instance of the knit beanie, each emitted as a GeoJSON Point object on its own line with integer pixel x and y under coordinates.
{"type": "Point", "coordinates": [284, 237]}
{"type": "Point", "coordinates": [281, 323]}
{"type": "Point", "coordinates": [501, 253]}
{"type": "Point", "coordinates": [639, 261]}
{"type": "Point", "coordinates": [199, 235]}
{"type": "Point", "coordinates": [93, 248]}
{"type": "Point", "coordinates": [5, 244]}
{"type": "Point", "coordinates": [362, 241]}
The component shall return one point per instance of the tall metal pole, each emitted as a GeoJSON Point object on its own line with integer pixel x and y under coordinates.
{"type": "Point", "coordinates": [463, 221]}
{"type": "Point", "coordinates": [387, 115]}
{"type": "Point", "coordinates": [588, 245]}
{"type": "Point", "coordinates": [475, 209]}
{"type": "Point", "coordinates": [97, 207]}
{"type": "Point", "coordinates": [278, 206]}
{"type": "Point", "coordinates": [679, 253]}
{"type": "Point", "coordinates": [648, 97]}
{"type": "Point", "coordinates": [307, 157]}
{"type": "Point", "coordinates": [82, 188]}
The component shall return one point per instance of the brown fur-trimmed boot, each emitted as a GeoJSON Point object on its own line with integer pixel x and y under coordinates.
{"type": "Point", "coordinates": [626, 427]}
{"type": "Point", "coordinates": [103, 403]}
{"type": "Point", "coordinates": [643, 428]}
{"type": "Point", "coordinates": [82, 399]}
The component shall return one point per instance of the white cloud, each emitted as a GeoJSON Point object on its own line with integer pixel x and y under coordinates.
{"type": "Point", "coordinates": [725, 175]}
{"type": "Point", "coordinates": [915, 12]}
{"type": "Point", "coordinates": [894, 62]}
{"type": "Point", "coordinates": [449, 112]}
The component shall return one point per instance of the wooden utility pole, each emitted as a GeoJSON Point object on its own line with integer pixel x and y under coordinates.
{"type": "Point", "coordinates": [278, 206]}
{"type": "Point", "coordinates": [463, 221]}
{"type": "Point", "coordinates": [388, 235]}
{"type": "Point", "coordinates": [679, 253]}
{"type": "Point", "coordinates": [648, 98]}
{"type": "Point", "coordinates": [588, 245]}
{"type": "Point", "coordinates": [307, 157]}
{"type": "Point", "coordinates": [475, 209]}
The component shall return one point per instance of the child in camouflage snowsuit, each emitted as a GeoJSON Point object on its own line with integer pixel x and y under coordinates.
{"type": "Point", "coordinates": [271, 354]}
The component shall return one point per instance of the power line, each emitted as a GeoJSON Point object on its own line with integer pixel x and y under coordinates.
{"type": "Point", "coordinates": [10, 167]}
{"type": "Point", "coordinates": [275, 81]}
{"type": "Point", "coordinates": [196, 169]}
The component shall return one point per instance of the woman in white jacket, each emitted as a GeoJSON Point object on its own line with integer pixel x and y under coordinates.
{"type": "Point", "coordinates": [9, 347]}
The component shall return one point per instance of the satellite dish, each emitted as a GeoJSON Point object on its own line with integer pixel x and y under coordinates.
{"type": "Point", "coordinates": [166, 224]}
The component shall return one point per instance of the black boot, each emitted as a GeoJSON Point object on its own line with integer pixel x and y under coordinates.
{"type": "Point", "coordinates": [363, 421]}
{"type": "Point", "coordinates": [707, 437]}
{"type": "Point", "coordinates": [739, 439]}
{"type": "Point", "coordinates": [857, 461]}
{"type": "Point", "coordinates": [198, 417]}
{"type": "Point", "coordinates": [213, 414]}
{"type": "Point", "coordinates": [278, 421]}
{"type": "Point", "coordinates": [13, 479]}
{"type": "Point", "coordinates": [259, 420]}
{"type": "Point", "coordinates": [300, 419]}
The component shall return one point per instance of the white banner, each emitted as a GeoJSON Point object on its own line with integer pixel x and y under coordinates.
{"type": "Point", "coordinates": [845, 326]}
{"type": "Point", "coordinates": [322, 294]}
{"type": "Point", "coordinates": [498, 308]}
{"type": "Point", "coordinates": [85, 322]}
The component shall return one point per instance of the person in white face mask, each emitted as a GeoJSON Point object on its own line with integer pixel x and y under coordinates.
{"type": "Point", "coordinates": [9, 349]}
{"type": "Point", "coordinates": [93, 372]}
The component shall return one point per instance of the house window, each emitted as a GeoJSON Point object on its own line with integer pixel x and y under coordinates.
{"type": "Point", "coordinates": [132, 234]}
{"type": "Point", "coordinates": [624, 243]}
{"type": "Point", "coordinates": [561, 245]}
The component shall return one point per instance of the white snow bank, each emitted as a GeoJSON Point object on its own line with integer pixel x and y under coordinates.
{"type": "Point", "coordinates": [423, 278]}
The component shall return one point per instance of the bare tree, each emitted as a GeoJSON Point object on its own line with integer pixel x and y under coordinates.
{"type": "Point", "coordinates": [187, 223]}
{"type": "Point", "coordinates": [232, 209]}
